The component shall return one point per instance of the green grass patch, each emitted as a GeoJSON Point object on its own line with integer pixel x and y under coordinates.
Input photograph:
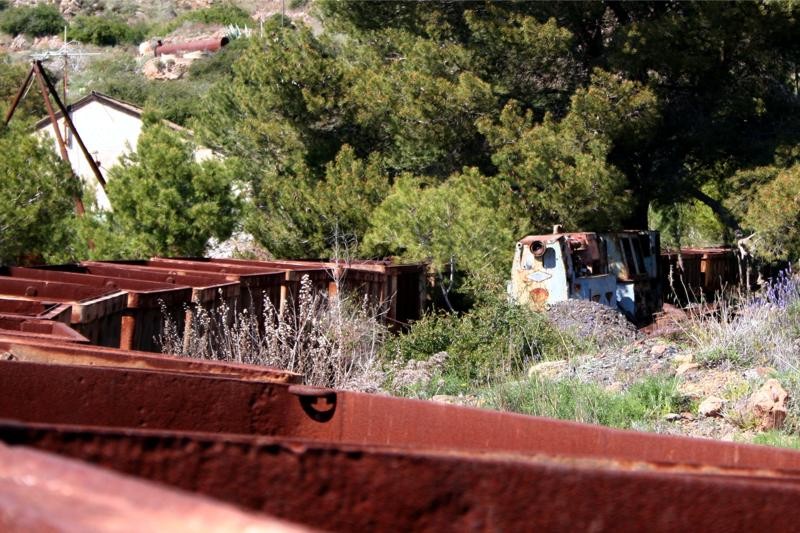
{"type": "Point", "coordinates": [645, 401]}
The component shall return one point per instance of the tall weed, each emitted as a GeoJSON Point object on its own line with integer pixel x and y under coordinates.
{"type": "Point", "coordinates": [332, 342]}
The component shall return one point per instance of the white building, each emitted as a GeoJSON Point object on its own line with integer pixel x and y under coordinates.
{"type": "Point", "coordinates": [110, 129]}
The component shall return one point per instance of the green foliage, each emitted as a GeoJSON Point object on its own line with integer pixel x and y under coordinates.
{"type": "Point", "coordinates": [37, 209]}
{"type": "Point", "coordinates": [644, 402]}
{"type": "Point", "coordinates": [560, 170]}
{"type": "Point", "coordinates": [525, 59]}
{"type": "Point", "coordinates": [36, 21]}
{"type": "Point", "coordinates": [11, 77]}
{"type": "Point", "coordinates": [164, 203]}
{"type": "Point", "coordinates": [494, 340]}
{"type": "Point", "coordinates": [294, 217]}
{"type": "Point", "coordinates": [775, 215]}
{"type": "Point", "coordinates": [104, 30]}
{"type": "Point", "coordinates": [778, 439]}
{"type": "Point", "coordinates": [224, 13]}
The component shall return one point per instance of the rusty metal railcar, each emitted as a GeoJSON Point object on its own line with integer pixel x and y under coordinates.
{"type": "Point", "coordinates": [96, 313]}
{"type": "Point", "coordinates": [43, 311]}
{"type": "Point", "coordinates": [342, 461]}
{"type": "Point", "coordinates": [149, 303]}
{"type": "Point", "coordinates": [620, 270]}
{"type": "Point", "coordinates": [399, 288]}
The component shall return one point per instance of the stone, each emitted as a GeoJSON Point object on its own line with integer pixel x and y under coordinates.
{"type": "Point", "coordinates": [683, 358]}
{"type": "Point", "coordinates": [672, 417]}
{"type": "Point", "coordinates": [548, 369]}
{"type": "Point", "coordinates": [758, 372]}
{"type": "Point", "coordinates": [685, 368]}
{"type": "Point", "coordinates": [658, 350]}
{"type": "Point", "coordinates": [711, 406]}
{"type": "Point", "coordinates": [767, 406]}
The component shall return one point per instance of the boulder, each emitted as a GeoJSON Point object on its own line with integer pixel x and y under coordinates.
{"type": "Point", "coordinates": [767, 406]}
{"type": "Point", "coordinates": [711, 406]}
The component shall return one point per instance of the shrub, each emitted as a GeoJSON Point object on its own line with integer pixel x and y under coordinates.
{"type": "Point", "coordinates": [226, 14]}
{"type": "Point", "coordinates": [104, 31]}
{"type": "Point", "coordinates": [491, 341]}
{"type": "Point", "coordinates": [36, 211]}
{"type": "Point", "coordinates": [37, 21]}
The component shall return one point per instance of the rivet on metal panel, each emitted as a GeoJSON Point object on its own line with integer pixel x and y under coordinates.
{"type": "Point", "coordinates": [318, 403]}
{"type": "Point", "coordinates": [30, 291]}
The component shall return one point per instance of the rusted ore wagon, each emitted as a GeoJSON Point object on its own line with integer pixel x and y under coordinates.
{"type": "Point", "coordinates": [148, 303]}
{"type": "Point", "coordinates": [96, 313]}
{"type": "Point", "coordinates": [399, 288]}
{"type": "Point", "coordinates": [32, 328]}
{"type": "Point", "coordinates": [345, 461]}
{"type": "Point", "coordinates": [61, 494]}
{"type": "Point", "coordinates": [695, 274]}
{"type": "Point", "coordinates": [38, 310]}
{"type": "Point", "coordinates": [255, 284]}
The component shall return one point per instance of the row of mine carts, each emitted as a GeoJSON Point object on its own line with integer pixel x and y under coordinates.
{"type": "Point", "coordinates": [124, 304]}
{"type": "Point", "coordinates": [95, 438]}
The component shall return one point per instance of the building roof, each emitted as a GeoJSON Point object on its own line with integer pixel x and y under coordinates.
{"type": "Point", "coordinates": [115, 103]}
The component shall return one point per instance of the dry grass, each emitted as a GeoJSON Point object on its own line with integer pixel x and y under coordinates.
{"type": "Point", "coordinates": [752, 329]}
{"type": "Point", "coordinates": [332, 342]}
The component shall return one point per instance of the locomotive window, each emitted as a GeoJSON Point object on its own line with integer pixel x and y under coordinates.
{"type": "Point", "coordinates": [549, 258]}
{"type": "Point", "coordinates": [628, 251]}
{"type": "Point", "coordinates": [637, 251]}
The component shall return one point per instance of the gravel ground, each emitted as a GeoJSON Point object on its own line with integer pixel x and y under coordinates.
{"type": "Point", "coordinates": [606, 326]}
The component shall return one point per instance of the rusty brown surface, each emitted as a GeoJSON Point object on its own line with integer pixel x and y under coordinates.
{"type": "Point", "coordinates": [54, 351]}
{"type": "Point", "coordinates": [24, 308]}
{"type": "Point", "coordinates": [354, 488]}
{"type": "Point", "coordinates": [96, 313]}
{"type": "Point", "coordinates": [201, 45]}
{"type": "Point", "coordinates": [43, 492]}
{"type": "Point", "coordinates": [148, 303]}
{"type": "Point", "coordinates": [207, 288]}
{"type": "Point", "coordinates": [400, 288]}
{"type": "Point", "coordinates": [31, 328]}
{"type": "Point", "coordinates": [165, 400]}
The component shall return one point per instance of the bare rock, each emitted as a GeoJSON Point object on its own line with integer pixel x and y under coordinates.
{"type": "Point", "coordinates": [147, 48]}
{"type": "Point", "coordinates": [20, 42]}
{"type": "Point", "coordinates": [159, 68]}
{"type": "Point", "coordinates": [767, 406]}
{"type": "Point", "coordinates": [685, 368]}
{"type": "Point", "coordinates": [658, 350]}
{"type": "Point", "coordinates": [711, 406]}
{"type": "Point", "coordinates": [547, 369]}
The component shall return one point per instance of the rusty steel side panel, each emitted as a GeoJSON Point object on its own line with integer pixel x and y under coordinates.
{"type": "Point", "coordinates": [96, 312]}
{"type": "Point", "coordinates": [102, 396]}
{"type": "Point", "coordinates": [25, 308]}
{"type": "Point", "coordinates": [256, 282]}
{"type": "Point", "coordinates": [350, 488]}
{"type": "Point", "coordinates": [146, 303]}
{"type": "Point", "coordinates": [402, 287]}
{"type": "Point", "coordinates": [135, 398]}
{"type": "Point", "coordinates": [207, 289]}
{"type": "Point", "coordinates": [55, 352]}
{"type": "Point", "coordinates": [683, 278]}
{"type": "Point", "coordinates": [36, 329]}
{"type": "Point", "coordinates": [44, 492]}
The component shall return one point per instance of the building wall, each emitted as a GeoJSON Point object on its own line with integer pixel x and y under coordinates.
{"type": "Point", "coordinates": [107, 133]}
